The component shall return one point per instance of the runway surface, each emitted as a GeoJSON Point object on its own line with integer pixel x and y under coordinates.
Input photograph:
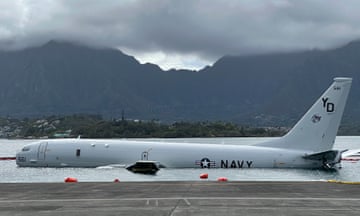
{"type": "Point", "coordinates": [180, 198]}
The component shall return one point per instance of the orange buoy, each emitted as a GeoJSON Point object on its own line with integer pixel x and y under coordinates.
{"type": "Point", "coordinates": [204, 176]}
{"type": "Point", "coordinates": [116, 180]}
{"type": "Point", "coordinates": [222, 179]}
{"type": "Point", "coordinates": [70, 179]}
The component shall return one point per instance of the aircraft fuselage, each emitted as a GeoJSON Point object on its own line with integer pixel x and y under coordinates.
{"type": "Point", "coordinates": [94, 153]}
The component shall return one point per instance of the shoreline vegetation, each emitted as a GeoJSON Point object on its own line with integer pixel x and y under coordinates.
{"type": "Point", "coordinates": [94, 126]}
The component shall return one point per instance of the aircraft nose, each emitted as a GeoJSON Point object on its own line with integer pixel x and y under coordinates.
{"type": "Point", "coordinates": [22, 156]}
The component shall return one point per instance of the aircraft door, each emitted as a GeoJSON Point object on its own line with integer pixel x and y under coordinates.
{"type": "Point", "coordinates": [42, 151]}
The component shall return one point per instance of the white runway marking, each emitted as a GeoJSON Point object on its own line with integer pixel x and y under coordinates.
{"type": "Point", "coordinates": [186, 199]}
{"type": "Point", "coordinates": [187, 202]}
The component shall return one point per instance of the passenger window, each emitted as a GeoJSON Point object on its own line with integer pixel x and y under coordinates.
{"type": "Point", "coordinates": [77, 152]}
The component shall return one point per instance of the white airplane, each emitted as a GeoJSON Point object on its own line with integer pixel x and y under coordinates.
{"type": "Point", "coordinates": [308, 145]}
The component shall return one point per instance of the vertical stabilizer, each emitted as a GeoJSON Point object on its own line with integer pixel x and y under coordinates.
{"type": "Point", "coordinates": [317, 129]}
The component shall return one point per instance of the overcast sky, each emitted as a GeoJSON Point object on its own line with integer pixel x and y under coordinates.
{"type": "Point", "coordinates": [182, 33]}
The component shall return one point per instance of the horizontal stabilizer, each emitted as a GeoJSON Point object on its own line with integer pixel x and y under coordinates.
{"type": "Point", "coordinates": [328, 158]}
{"type": "Point", "coordinates": [326, 155]}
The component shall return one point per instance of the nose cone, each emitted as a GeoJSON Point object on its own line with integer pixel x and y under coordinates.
{"type": "Point", "coordinates": [23, 157]}
{"type": "Point", "coordinates": [20, 159]}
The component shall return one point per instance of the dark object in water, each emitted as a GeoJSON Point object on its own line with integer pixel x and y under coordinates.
{"type": "Point", "coordinates": [144, 167]}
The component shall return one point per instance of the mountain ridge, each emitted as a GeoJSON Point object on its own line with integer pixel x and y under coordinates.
{"type": "Point", "coordinates": [62, 78]}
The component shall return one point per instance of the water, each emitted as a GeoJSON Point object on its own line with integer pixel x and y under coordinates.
{"type": "Point", "coordinates": [9, 172]}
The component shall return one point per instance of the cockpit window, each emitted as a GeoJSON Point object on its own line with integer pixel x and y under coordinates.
{"type": "Point", "coordinates": [26, 148]}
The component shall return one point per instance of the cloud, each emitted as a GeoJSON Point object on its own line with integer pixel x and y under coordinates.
{"type": "Point", "coordinates": [200, 31]}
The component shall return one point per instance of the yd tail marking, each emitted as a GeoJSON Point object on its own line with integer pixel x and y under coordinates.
{"type": "Point", "coordinates": [330, 107]}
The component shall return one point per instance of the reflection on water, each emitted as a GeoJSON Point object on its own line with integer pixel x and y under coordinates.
{"type": "Point", "coordinates": [11, 173]}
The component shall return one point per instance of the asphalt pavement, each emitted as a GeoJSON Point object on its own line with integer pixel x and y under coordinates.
{"type": "Point", "coordinates": [180, 198]}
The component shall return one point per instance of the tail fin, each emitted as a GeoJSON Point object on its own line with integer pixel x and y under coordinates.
{"type": "Point", "coordinates": [317, 129]}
